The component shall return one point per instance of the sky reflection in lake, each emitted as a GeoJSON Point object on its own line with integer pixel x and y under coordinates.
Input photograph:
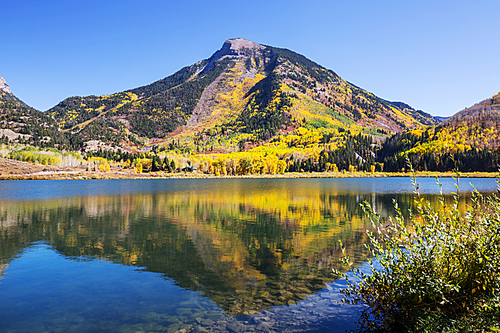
{"type": "Point", "coordinates": [164, 255]}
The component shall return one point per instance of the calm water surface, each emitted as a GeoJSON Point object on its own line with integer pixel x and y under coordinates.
{"type": "Point", "coordinates": [239, 255]}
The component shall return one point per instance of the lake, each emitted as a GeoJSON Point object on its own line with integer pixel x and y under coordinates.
{"type": "Point", "coordinates": [212, 255]}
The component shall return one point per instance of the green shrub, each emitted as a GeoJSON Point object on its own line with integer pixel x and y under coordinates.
{"type": "Point", "coordinates": [54, 150]}
{"type": "Point", "coordinates": [29, 148]}
{"type": "Point", "coordinates": [437, 267]}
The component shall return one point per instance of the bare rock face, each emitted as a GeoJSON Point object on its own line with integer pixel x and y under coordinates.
{"type": "Point", "coordinates": [236, 47]}
{"type": "Point", "coordinates": [6, 93]}
{"type": "Point", "coordinates": [239, 44]}
{"type": "Point", "coordinates": [238, 50]}
{"type": "Point", "coordinates": [240, 47]}
{"type": "Point", "coordinates": [4, 87]}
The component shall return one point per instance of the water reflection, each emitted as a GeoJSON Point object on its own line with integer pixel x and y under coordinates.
{"type": "Point", "coordinates": [246, 246]}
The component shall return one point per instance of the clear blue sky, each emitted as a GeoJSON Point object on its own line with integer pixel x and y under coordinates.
{"type": "Point", "coordinates": [438, 56]}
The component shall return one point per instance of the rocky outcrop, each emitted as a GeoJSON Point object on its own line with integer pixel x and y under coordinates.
{"type": "Point", "coordinates": [4, 87]}
{"type": "Point", "coordinates": [237, 47]}
{"type": "Point", "coordinates": [240, 45]}
{"type": "Point", "coordinates": [6, 93]}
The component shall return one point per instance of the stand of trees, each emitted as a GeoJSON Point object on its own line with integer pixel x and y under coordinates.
{"type": "Point", "coordinates": [466, 161]}
{"type": "Point", "coordinates": [467, 147]}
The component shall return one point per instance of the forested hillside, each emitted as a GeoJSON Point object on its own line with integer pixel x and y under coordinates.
{"type": "Point", "coordinates": [22, 124]}
{"type": "Point", "coordinates": [469, 141]}
{"type": "Point", "coordinates": [26, 125]}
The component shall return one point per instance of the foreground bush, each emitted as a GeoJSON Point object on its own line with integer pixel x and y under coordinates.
{"type": "Point", "coordinates": [435, 271]}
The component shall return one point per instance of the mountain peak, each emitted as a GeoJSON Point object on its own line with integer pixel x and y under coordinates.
{"type": "Point", "coordinates": [238, 47]}
{"type": "Point", "coordinates": [240, 44]}
{"type": "Point", "coordinates": [234, 47]}
{"type": "Point", "coordinates": [6, 93]}
{"type": "Point", "coordinates": [4, 87]}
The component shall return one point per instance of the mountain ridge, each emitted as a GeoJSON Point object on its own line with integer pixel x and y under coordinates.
{"type": "Point", "coordinates": [468, 141]}
{"type": "Point", "coordinates": [484, 110]}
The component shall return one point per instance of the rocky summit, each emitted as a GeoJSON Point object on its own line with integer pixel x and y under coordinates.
{"type": "Point", "coordinates": [4, 87]}
{"type": "Point", "coordinates": [7, 95]}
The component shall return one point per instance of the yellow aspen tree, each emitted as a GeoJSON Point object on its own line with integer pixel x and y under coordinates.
{"type": "Point", "coordinates": [281, 167]}
{"type": "Point", "coordinates": [104, 167]}
{"type": "Point", "coordinates": [138, 167]}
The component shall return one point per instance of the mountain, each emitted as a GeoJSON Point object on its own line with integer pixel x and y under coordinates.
{"type": "Point", "coordinates": [23, 124]}
{"type": "Point", "coordinates": [469, 140]}
{"type": "Point", "coordinates": [244, 93]}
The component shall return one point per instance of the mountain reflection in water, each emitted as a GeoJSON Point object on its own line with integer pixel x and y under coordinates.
{"type": "Point", "coordinates": [247, 246]}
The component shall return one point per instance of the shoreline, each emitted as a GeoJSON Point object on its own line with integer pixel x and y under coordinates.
{"type": "Point", "coordinates": [17, 170]}
{"type": "Point", "coordinates": [92, 175]}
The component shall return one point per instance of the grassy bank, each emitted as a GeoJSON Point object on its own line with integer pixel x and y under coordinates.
{"type": "Point", "coordinates": [81, 174]}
